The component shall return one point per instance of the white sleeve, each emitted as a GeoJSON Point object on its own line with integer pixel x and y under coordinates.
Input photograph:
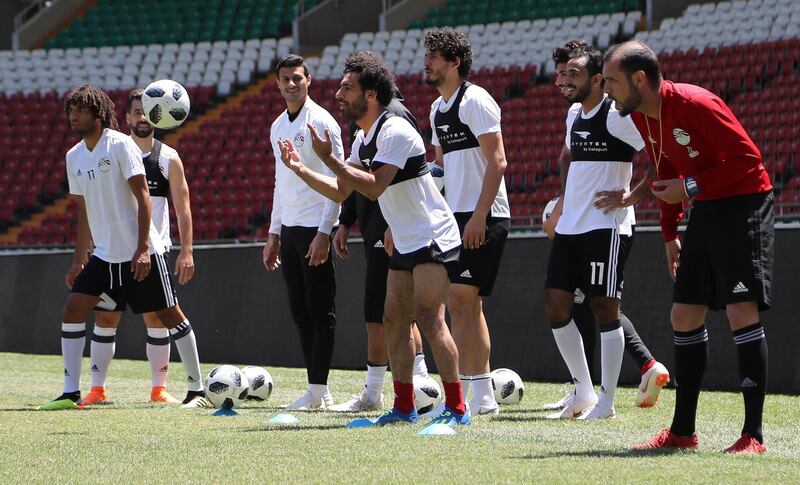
{"type": "Point", "coordinates": [481, 113]}
{"type": "Point", "coordinates": [354, 160]}
{"type": "Point", "coordinates": [571, 115]}
{"type": "Point", "coordinates": [623, 128]}
{"type": "Point", "coordinates": [129, 158]}
{"type": "Point", "coordinates": [74, 186]}
{"type": "Point", "coordinates": [330, 211]}
{"type": "Point", "coordinates": [434, 137]}
{"type": "Point", "coordinates": [395, 144]}
{"type": "Point", "coordinates": [275, 217]}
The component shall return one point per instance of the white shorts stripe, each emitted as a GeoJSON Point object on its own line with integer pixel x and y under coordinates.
{"type": "Point", "coordinates": [163, 272]}
{"type": "Point", "coordinates": [613, 254]}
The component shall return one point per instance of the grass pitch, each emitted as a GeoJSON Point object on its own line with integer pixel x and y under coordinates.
{"type": "Point", "coordinates": [131, 441]}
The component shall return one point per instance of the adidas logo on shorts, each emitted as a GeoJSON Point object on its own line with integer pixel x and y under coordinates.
{"type": "Point", "coordinates": [378, 244]}
{"type": "Point", "coordinates": [740, 288]}
{"type": "Point", "coordinates": [747, 382]}
{"type": "Point", "coordinates": [466, 274]}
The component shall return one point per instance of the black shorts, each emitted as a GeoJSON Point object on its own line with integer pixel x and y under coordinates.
{"type": "Point", "coordinates": [479, 267]}
{"type": "Point", "coordinates": [428, 254]}
{"type": "Point", "coordinates": [114, 284]}
{"type": "Point", "coordinates": [375, 281]}
{"type": "Point", "coordinates": [593, 262]}
{"type": "Point", "coordinates": [727, 252]}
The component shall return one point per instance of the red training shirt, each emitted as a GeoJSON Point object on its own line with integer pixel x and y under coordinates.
{"type": "Point", "coordinates": [702, 138]}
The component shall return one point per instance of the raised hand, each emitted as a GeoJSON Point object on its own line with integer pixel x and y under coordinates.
{"type": "Point", "coordinates": [323, 147]}
{"type": "Point", "coordinates": [289, 155]}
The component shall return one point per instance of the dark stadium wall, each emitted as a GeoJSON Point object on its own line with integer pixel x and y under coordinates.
{"type": "Point", "coordinates": [240, 312]}
{"type": "Point", "coordinates": [45, 23]}
{"type": "Point", "coordinates": [404, 12]}
{"type": "Point", "coordinates": [326, 23]}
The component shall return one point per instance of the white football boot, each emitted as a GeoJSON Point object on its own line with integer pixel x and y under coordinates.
{"type": "Point", "coordinates": [653, 380]}
{"type": "Point", "coordinates": [357, 404]}
{"type": "Point", "coordinates": [575, 407]}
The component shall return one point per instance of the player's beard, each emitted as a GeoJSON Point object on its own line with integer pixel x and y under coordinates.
{"type": "Point", "coordinates": [355, 109]}
{"type": "Point", "coordinates": [142, 132]}
{"type": "Point", "coordinates": [434, 81]}
{"type": "Point", "coordinates": [631, 103]}
{"type": "Point", "coordinates": [83, 129]}
{"type": "Point", "coordinates": [580, 93]}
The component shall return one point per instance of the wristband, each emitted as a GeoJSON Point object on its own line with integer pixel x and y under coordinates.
{"type": "Point", "coordinates": [690, 185]}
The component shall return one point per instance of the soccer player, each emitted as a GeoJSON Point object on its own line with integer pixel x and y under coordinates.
{"type": "Point", "coordinates": [388, 163]}
{"type": "Point", "coordinates": [165, 177]}
{"type": "Point", "coordinates": [579, 76]}
{"type": "Point", "coordinates": [469, 145]}
{"type": "Point", "coordinates": [107, 178]}
{"type": "Point", "coordinates": [358, 207]}
{"type": "Point", "coordinates": [299, 233]}
{"type": "Point", "coordinates": [702, 152]}
{"type": "Point", "coordinates": [591, 245]}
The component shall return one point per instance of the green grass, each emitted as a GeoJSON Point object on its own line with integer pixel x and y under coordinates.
{"type": "Point", "coordinates": [131, 441]}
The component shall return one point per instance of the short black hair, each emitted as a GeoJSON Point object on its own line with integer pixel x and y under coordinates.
{"type": "Point", "coordinates": [95, 100]}
{"type": "Point", "coordinates": [636, 56]}
{"type": "Point", "coordinates": [135, 94]}
{"type": "Point", "coordinates": [450, 44]}
{"type": "Point", "coordinates": [372, 74]}
{"type": "Point", "coordinates": [576, 49]}
{"type": "Point", "coordinates": [292, 60]}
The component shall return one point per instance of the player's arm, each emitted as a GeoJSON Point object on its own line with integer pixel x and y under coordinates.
{"type": "Point", "coordinates": [492, 148]}
{"type": "Point", "coordinates": [140, 263]}
{"type": "Point", "coordinates": [270, 255]}
{"type": "Point", "coordinates": [439, 154]}
{"type": "Point", "coordinates": [564, 160]}
{"type": "Point", "coordinates": [179, 190]}
{"type": "Point", "coordinates": [348, 177]}
{"type": "Point", "coordinates": [609, 200]}
{"type": "Point", "coordinates": [83, 243]}
{"type": "Point", "coordinates": [347, 218]}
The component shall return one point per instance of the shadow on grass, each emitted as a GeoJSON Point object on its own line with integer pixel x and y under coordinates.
{"type": "Point", "coordinates": [317, 427]}
{"type": "Point", "coordinates": [520, 419]}
{"type": "Point", "coordinates": [599, 454]}
{"type": "Point", "coordinates": [505, 410]}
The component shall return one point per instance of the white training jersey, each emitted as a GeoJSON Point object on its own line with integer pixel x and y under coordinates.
{"type": "Point", "coordinates": [161, 203]}
{"type": "Point", "coordinates": [587, 177]}
{"type": "Point", "coordinates": [294, 203]}
{"type": "Point", "coordinates": [412, 205]}
{"type": "Point", "coordinates": [101, 177]}
{"type": "Point", "coordinates": [465, 166]}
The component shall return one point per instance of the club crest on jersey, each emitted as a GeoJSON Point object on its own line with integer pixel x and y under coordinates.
{"type": "Point", "coordinates": [299, 140]}
{"type": "Point", "coordinates": [104, 165]}
{"type": "Point", "coordinates": [681, 136]}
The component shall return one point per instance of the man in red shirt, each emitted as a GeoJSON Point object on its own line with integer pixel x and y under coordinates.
{"type": "Point", "coordinates": [701, 151]}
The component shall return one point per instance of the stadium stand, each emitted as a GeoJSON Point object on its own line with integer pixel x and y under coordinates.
{"type": "Point", "coordinates": [189, 21]}
{"type": "Point", "coordinates": [232, 194]}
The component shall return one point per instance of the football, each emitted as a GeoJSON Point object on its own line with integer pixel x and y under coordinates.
{"type": "Point", "coordinates": [259, 382]}
{"type": "Point", "coordinates": [548, 209]}
{"type": "Point", "coordinates": [165, 104]}
{"type": "Point", "coordinates": [226, 387]}
{"type": "Point", "coordinates": [427, 394]}
{"type": "Point", "coordinates": [508, 386]}
{"type": "Point", "coordinates": [437, 173]}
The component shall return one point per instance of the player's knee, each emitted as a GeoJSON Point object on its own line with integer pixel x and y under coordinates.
{"type": "Point", "coordinates": [106, 319]}
{"type": "Point", "coordinates": [605, 309]}
{"type": "Point", "coordinates": [684, 318]}
{"type": "Point", "coordinates": [742, 314]}
{"type": "Point", "coordinates": [429, 320]}
{"type": "Point", "coordinates": [556, 310]}
{"type": "Point", "coordinates": [170, 317]}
